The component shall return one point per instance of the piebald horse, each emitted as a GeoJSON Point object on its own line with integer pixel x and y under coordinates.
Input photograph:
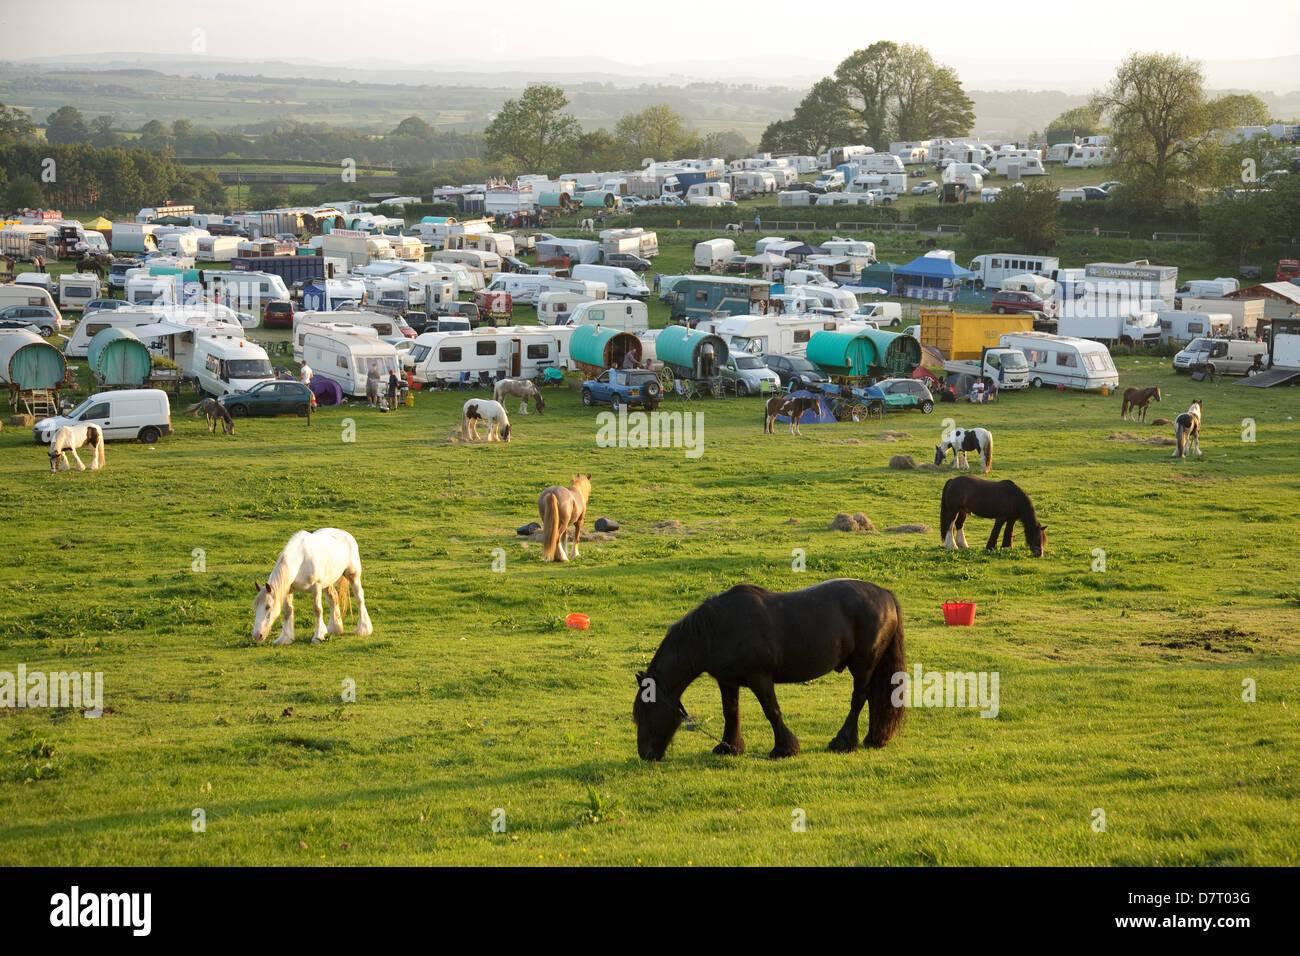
{"type": "Point", "coordinates": [792, 407]}
{"type": "Point", "coordinates": [521, 388]}
{"type": "Point", "coordinates": [314, 562]}
{"type": "Point", "coordinates": [491, 413]}
{"type": "Point", "coordinates": [1187, 431]}
{"type": "Point", "coordinates": [1137, 400]}
{"type": "Point", "coordinates": [71, 437]}
{"type": "Point", "coordinates": [963, 440]}
{"type": "Point", "coordinates": [560, 509]}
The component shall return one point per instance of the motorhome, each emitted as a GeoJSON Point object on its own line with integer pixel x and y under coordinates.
{"type": "Point", "coordinates": [483, 355]}
{"type": "Point", "coordinates": [1062, 360]}
{"type": "Point", "coordinates": [990, 270]}
{"type": "Point", "coordinates": [76, 289]}
{"type": "Point", "coordinates": [345, 356]}
{"type": "Point", "coordinates": [620, 282]}
{"type": "Point", "coordinates": [714, 254]}
{"type": "Point", "coordinates": [771, 335]}
{"type": "Point", "coordinates": [226, 363]}
{"type": "Point", "coordinates": [629, 315]}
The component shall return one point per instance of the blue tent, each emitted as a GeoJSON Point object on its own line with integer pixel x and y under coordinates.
{"type": "Point", "coordinates": [929, 277]}
{"type": "Point", "coordinates": [823, 416]}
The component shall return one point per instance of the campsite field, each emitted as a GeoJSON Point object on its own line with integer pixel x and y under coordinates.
{"type": "Point", "coordinates": [1121, 689]}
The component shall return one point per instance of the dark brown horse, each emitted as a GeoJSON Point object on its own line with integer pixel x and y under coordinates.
{"type": "Point", "coordinates": [1138, 400]}
{"type": "Point", "coordinates": [1003, 501]}
{"type": "Point", "coordinates": [751, 637]}
{"type": "Point", "coordinates": [785, 405]}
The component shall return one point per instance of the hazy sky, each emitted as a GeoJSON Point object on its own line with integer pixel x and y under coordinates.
{"type": "Point", "coordinates": [637, 32]}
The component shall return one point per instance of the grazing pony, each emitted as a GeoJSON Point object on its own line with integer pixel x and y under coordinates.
{"type": "Point", "coordinates": [1003, 501]}
{"type": "Point", "coordinates": [521, 388]}
{"type": "Point", "coordinates": [491, 413]}
{"type": "Point", "coordinates": [1137, 400]}
{"type": "Point", "coordinates": [784, 405]}
{"type": "Point", "coordinates": [587, 225]}
{"type": "Point", "coordinates": [71, 437]}
{"type": "Point", "coordinates": [314, 562]}
{"type": "Point", "coordinates": [963, 440]}
{"type": "Point", "coordinates": [561, 508]}
{"type": "Point", "coordinates": [213, 411]}
{"type": "Point", "coordinates": [751, 637]}
{"type": "Point", "coordinates": [1187, 431]}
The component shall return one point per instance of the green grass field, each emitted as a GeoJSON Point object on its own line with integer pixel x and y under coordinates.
{"type": "Point", "coordinates": [1120, 690]}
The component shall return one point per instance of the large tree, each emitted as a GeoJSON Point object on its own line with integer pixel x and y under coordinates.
{"type": "Point", "coordinates": [66, 125]}
{"type": "Point", "coordinates": [16, 127]}
{"type": "Point", "coordinates": [656, 132]}
{"type": "Point", "coordinates": [1078, 121]}
{"type": "Point", "coordinates": [869, 80]}
{"type": "Point", "coordinates": [23, 192]}
{"type": "Point", "coordinates": [1027, 217]}
{"type": "Point", "coordinates": [533, 131]}
{"type": "Point", "coordinates": [1237, 109]}
{"type": "Point", "coordinates": [939, 107]}
{"type": "Point", "coordinates": [1158, 119]}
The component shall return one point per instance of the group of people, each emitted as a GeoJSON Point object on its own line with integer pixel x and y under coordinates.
{"type": "Point", "coordinates": [372, 387]}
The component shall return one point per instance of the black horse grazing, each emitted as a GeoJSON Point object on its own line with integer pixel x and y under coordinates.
{"type": "Point", "coordinates": [1003, 501]}
{"type": "Point", "coordinates": [751, 637]}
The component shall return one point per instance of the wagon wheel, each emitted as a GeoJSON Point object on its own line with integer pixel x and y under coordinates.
{"type": "Point", "coordinates": [666, 377]}
{"type": "Point", "coordinates": [859, 412]}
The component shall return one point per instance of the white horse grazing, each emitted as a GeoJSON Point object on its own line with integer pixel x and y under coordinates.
{"type": "Point", "coordinates": [587, 225]}
{"type": "Point", "coordinates": [71, 437]}
{"type": "Point", "coordinates": [963, 440]}
{"type": "Point", "coordinates": [313, 562]}
{"type": "Point", "coordinates": [491, 413]}
{"type": "Point", "coordinates": [521, 388]}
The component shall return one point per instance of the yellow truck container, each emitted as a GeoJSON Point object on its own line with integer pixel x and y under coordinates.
{"type": "Point", "coordinates": [964, 335]}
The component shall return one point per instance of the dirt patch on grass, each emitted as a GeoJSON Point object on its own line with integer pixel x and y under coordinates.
{"type": "Point", "coordinates": [1140, 439]}
{"type": "Point", "coordinates": [844, 521]}
{"type": "Point", "coordinates": [1224, 640]}
{"type": "Point", "coordinates": [891, 435]}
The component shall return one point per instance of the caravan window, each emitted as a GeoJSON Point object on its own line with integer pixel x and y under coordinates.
{"type": "Point", "coordinates": [449, 354]}
{"type": "Point", "coordinates": [485, 348]}
{"type": "Point", "coordinates": [1036, 356]}
{"type": "Point", "coordinates": [341, 361]}
{"type": "Point", "coordinates": [802, 335]}
{"type": "Point", "coordinates": [1097, 362]}
{"type": "Point", "coordinates": [92, 328]}
{"type": "Point", "coordinates": [1195, 328]}
{"type": "Point", "coordinates": [419, 352]}
{"type": "Point", "coordinates": [701, 295]}
{"type": "Point", "coordinates": [538, 351]}
{"type": "Point", "coordinates": [1067, 359]}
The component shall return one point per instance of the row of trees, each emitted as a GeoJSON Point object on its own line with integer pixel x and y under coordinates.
{"type": "Point", "coordinates": [886, 92]}
{"type": "Point", "coordinates": [533, 134]}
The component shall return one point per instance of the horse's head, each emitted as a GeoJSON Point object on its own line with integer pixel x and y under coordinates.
{"type": "Point", "coordinates": [657, 717]}
{"type": "Point", "coordinates": [266, 608]}
{"type": "Point", "coordinates": [505, 431]}
{"type": "Point", "coordinates": [1195, 409]}
{"type": "Point", "coordinates": [1157, 393]}
{"type": "Point", "coordinates": [228, 424]}
{"type": "Point", "coordinates": [939, 455]}
{"type": "Point", "coordinates": [1036, 537]}
{"type": "Point", "coordinates": [541, 402]}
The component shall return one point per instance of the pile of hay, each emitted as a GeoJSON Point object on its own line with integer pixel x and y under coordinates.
{"type": "Point", "coordinates": [908, 529]}
{"type": "Point", "coordinates": [843, 521]}
{"type": "Point", "coordinates": [902, 462]}
{"type": "Point", "coordinates": [891, 435]}
{"type": "Point", "coordinates": [1140, 440]}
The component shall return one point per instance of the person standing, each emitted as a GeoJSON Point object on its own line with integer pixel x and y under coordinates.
{"type": "Point", "coordinates": [372, 384]}
{"type": "Point", "coordinates": [392, 389]}
{"type": "Point", "coordinates": [305, 374]}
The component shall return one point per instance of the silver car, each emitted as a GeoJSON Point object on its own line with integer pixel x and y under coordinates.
{"type": "Point", "coordinates": [747, 373]}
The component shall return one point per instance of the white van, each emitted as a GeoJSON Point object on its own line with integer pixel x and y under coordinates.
{"type": "Point", "coordinates": [1062, 360]}
{"type": "Point", "coordinates": [1220, 356]}
{"type": "Point", "coordinates": [629, 315]}
{"type": "Point", "coordinates": [227, 363]}
{"type": "Point", "coordinates": [620, 282]}
{"type": "Point", "coordinates": [1071, 195]}
{"type": "Point", "coordinates": [129, 414]}
{"type": "Point", "coordinates": [521, 286]}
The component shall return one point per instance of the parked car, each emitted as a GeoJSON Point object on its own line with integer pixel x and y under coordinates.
{"type": "Point", "coordinates": [925, 187]}
{"type": "Point", "coordinates": [748, 373]}
{"type": "Point", "coordinates": [627, 261]}
{"type": "Point", "coordinates": [666, 199]}
{"type": "Point", "coordinates": [42, 316]}
{"type": "Point", "coordinates": [1094, 192]}
{"type": "Point", "coordinates": [104, 305]}
{"type": "Point", "coordinates": [903, 393]}
{"type": "Point", "coordinates": [1110, 184]}
{"type": "Point", "coordinates": [269, 398]}
{"type": "Point", "coordinates": [278, 314]}
{"type": "Point", "coordinates": [809, 187]}
{"type": "Point", "coordinates": [1012, 302]}
{"type": "Point", "coordinates": [623, 387]}
{"type": "Point", "coordinates": [797, 370]}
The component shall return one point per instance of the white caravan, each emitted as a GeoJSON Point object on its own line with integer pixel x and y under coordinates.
{"type": "Point", "coordinates": [1062, 360]}
{"type": "Point", "coordinates": [771, 335]}
{"type": "Point", "coordinates": [346, 356]}
{"type": "Point", "coordinates": [990, 270]}
{"type": "Point", "coordinates": [629, 315]}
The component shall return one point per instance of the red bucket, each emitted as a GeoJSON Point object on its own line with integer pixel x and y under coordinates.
{"type": "Point", "coordinates": [959, 613]}
{"type": "Point", "coordinates": [579, 621]}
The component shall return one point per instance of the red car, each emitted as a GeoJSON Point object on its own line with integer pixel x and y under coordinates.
{"type": "Point", "coordinates": [278, 314]}
{"type": "Point", "coordinates": [1287, 269]}
{"type": "Point", "coordinates": [1021, 302]}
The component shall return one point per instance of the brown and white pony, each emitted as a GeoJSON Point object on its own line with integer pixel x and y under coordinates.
{"type": "Point", "coordinates": [71, 437]}
{"type": "Point", "coordinates": [1137, 400]}
{"type": "Point", "coordinates": [560, 509]}
{"type": "Point", "coordinates": [1187, 431]}
{"type": "Point", "coordinates": [521, 388]}
{"type": "Point", "coordinates": [492, 414]}
{"type": "Point", "coordinates": [784, 405]}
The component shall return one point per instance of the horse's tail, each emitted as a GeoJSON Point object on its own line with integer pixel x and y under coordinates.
{"type": "Point", "coordinates": [988, 452]}
{"type": "Point", "coordinates": [887, 719]}
{"type": "Point", "coordinates": [193, 408]}
{"type": "Point", "coordinates": [101, 446]}
{"type": "Point", "coordinates": [550, 510]}
{"type": "Point", "coordinates": [345, 597]}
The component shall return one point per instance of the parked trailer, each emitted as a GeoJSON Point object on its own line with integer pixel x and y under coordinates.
{"type": "Point", "coordinates": [594, 348]}
{"type": "Point", "coordinates": [965, 335]}
{"type": "Point", "coordinates": [290, 269]}
{"type": "Point", "coordinates": [29, 363]}
{"type": "Point", "coordinates": [119, 359]}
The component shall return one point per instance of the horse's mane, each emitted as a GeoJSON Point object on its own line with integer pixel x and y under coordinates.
{"type": "Point", "coordinates": [281, 578]}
